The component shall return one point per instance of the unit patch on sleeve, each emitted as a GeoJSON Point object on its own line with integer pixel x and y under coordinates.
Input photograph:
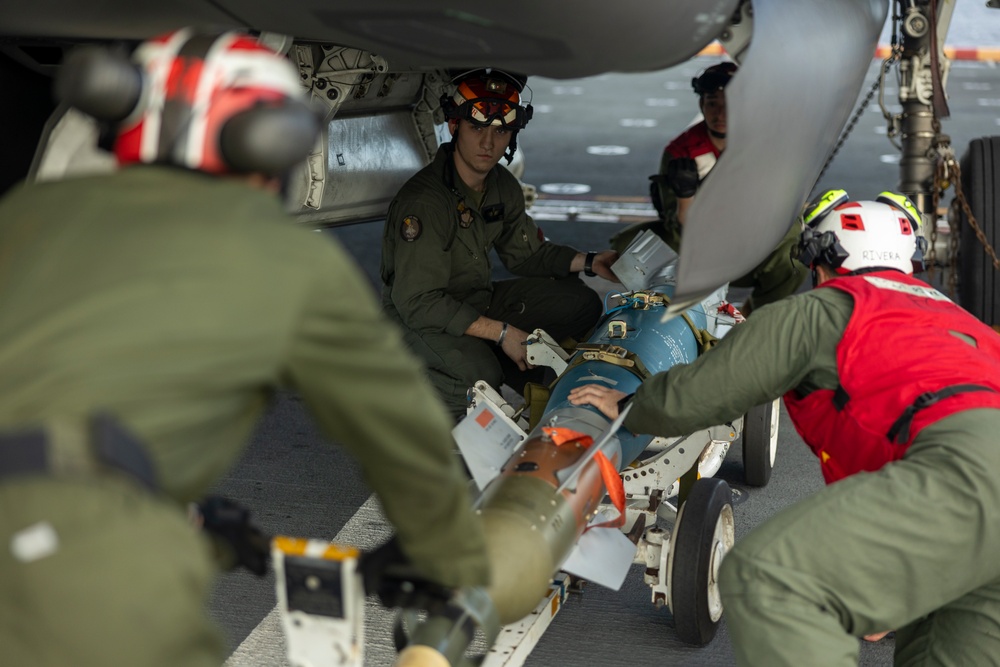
{"type": "Point", "coordinates": [411, 228]}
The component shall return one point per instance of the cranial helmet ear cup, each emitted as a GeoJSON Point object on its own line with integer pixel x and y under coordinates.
{"type": "Point", "coordinates": [100, 83]}
{"type": "Point", "coordinates": [269, 139]}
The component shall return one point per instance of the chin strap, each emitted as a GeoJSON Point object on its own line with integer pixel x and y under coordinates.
{"type": "Point", "coordinates": [717, 135]}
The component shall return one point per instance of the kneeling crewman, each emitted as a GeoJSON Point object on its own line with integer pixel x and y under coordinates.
{"type": "Point", "coordinates": [897, 391]}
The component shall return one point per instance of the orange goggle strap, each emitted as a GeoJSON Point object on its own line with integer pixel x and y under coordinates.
{"type": "Point", "coordinates": [609, 474]}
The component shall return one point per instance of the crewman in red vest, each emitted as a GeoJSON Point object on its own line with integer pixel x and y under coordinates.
{"type": "Point", "coordinates": [897, 391]}
{"type": "Point", "coordinates": [686, 162]}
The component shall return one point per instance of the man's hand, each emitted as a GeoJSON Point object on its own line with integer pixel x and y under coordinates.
{"type": "Point", "coordinates": [682, 175]}
{"type": "Point", "coordinates": [601, 397]}
{"type": "Point", "coordinates": [514, 347]}
{"type": "Point", "coordinates": [602, 265]}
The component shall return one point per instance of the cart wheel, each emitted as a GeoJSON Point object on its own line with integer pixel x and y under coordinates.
{"type": "Point", "coordinates": [760, 442]}
{"type": "Point", "coordinates": [704, 533]}
{"type": "Point", "coordinates": [979, 282]}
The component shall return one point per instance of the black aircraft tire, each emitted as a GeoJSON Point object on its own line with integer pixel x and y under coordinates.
{"type": "Point", "coordinates": [704, 533]}
{"type": "Point", "coordinates": [979, 282]}
{"type": "Point", "coordinates": [760, 432]}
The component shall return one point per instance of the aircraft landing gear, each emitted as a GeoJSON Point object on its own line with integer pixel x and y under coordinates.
{"type": "Point", "coordinates": [979, 281]}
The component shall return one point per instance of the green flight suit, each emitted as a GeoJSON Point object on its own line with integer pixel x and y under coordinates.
{"type": "Point", "coordinates": [436, 274]}
{"type": "Point", "coordinates": [777, 276]}
{"type": "Point", "coordinates": [912, 547]}
{"type": "Point", "coordinates": [179, 302]}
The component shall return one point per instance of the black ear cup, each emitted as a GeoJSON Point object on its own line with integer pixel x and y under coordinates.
{"type": "Point", "coordinates": [100, 83]}
{"type": "Point", "coordinates": [820, 248]}
{"type": "Point", "coordinates": [269, 139]}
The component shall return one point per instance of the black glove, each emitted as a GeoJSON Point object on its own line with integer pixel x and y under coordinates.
{"type": "Point", "coordinates": [682, 175]}
{"type": "Point", "coordinates": [228, 524]}
{"type": "Point", "coordinates": [387, 573]}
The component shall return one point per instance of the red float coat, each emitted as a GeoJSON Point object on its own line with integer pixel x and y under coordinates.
{"type": "Point", "coordinates": [696, 144]}
{"type": "Point", "coordinates": [899, 345]}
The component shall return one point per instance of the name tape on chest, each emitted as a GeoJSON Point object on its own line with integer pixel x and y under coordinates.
{"type": "Point", "coordinates": [493, 213]}
{"type": "Point", "coordinates": [915, 290]}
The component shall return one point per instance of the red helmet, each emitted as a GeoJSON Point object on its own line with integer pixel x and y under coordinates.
{"type": "Point", "coordinates": [488, 97]}
{"type": "Point", "coordinates": [216, 103]}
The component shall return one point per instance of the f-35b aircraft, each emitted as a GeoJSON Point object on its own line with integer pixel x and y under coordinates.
{"type": "Point", "coordinates": [380, 67]}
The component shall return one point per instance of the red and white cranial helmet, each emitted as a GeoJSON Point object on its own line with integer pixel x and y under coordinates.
{"type": "Point", "coordinates": [488, 97]}
{"type": "Point", "coordinates": [216, 103]}
{"type": "Point", "coordinates": [850, 236]}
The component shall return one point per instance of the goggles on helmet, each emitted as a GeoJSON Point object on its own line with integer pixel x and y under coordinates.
{"type": "Point", "coordinates": [903, 204]}
{"type": "Point", "coordinates": [491, 111]}
{"type": "Point", "coordinates": [822, 205]}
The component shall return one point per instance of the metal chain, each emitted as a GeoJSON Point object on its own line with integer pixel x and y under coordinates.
{"type": "Point", "coordinates": [937, 191]}
{"type": "Point", "coordinates": [954, 229]}
{"type": "Point", "coordinates": [886, 64]}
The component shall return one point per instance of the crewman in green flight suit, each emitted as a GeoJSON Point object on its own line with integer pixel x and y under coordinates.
{"type": "Point", "coordinates": [897, 391]}
{"type": "Point", "coordinates": [145, 318]}
{"type": "Point", "coordinates": [441, 227]}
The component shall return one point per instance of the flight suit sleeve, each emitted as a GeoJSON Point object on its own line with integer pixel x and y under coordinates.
{"type": "Point", "coordinates": [780, 347]}
{"type": "Point", "coordinates": [365, 391]}
{"type": "Point", "coordinates": [422, 267]}
{"type": "Point", "coordinates": [522, 247]}
{"type": "Point", "coordinates": [668, 203]}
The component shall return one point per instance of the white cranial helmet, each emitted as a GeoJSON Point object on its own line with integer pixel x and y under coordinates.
{"type": "Point", "coordinates": [851, 236]}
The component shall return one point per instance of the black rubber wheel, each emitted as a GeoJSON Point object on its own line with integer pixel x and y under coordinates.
{"type": "Point", "coordinates": [979, 282]}
{"type": "Point", "coordinates": [704, 533]}
{"type": "Point", "coordinates": [760, 443]}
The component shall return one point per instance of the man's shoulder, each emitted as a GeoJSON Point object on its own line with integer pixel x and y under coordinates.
{"type": "Point", "coordinates": [426, 185]}
{"type": "Point", "coordinates": [817, 304]}
{"type": "Point", "coordinates": [506, 181]}
{"type": "Point", "coordinates": [690, 142]}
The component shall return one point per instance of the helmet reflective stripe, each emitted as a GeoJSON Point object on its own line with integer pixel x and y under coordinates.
{"type": "Point", "coordinates": [228, 66]}
{"type": "Point", "coordinates": [823, 205]}
{"type": "Point", "coordinates": [904, 204]}
{"type": "Point", "coordinates": [185, 110]}
{"type": "Point", "coordinates": [157, 58]}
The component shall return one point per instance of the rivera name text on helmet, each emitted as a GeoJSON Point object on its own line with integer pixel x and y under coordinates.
{"type": "Point", "coordinates": [852, 236]}
{"type": "Point", "coordinates": [219, 103]}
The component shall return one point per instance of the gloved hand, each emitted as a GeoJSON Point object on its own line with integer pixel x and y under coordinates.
{"type": "Point", "coordinates": [682, 175]}
{"type": "Point", "coordinates": [237, 541]}
{"type": "Point", "coordinates": [387, 573]}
